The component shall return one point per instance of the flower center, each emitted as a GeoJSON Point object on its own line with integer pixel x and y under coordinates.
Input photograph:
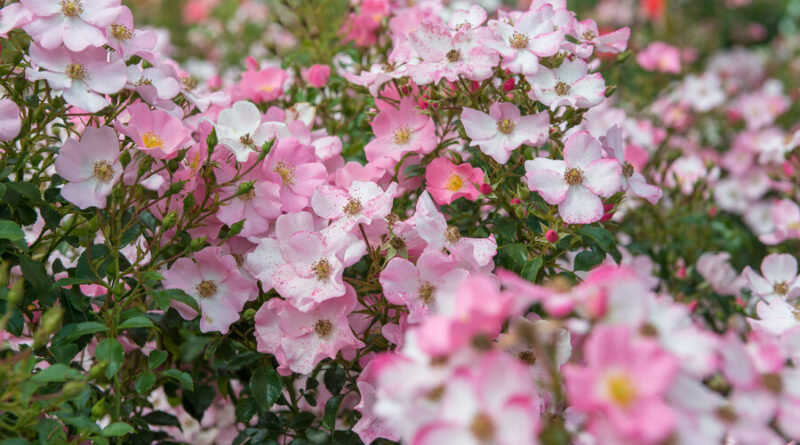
{"type": "Point", "coordinates": [323, 328]}
{"type": "Point", "coordinates": [519, 41]}
{"type": "Point", "coordinates": [103, 170]}
{"type": "Point", "coordinates": [286, 172]}
{"type": "Point", "coordinates": [189, 83]}
{"type": "Point", "coordinates": [589, 35]}
{"type": "Point", "coordinates": [454, 183]}
{"type": "Point", "coordinates": [772, 382]}
{"type": "Point", "coordinates": [781, 288]}
{"type": "Point", "coordinates": [435, 394]}
{"type": "Point", "coordinates": [505, 126]}
{"type": "Point", "coordinates": [627, 169]}
{"type": "Point", "coordinates": [727, 414]}
{"type": "Point", "coordinates": [401, 136]}
{"type": "Point", "coordinates": [453, 55]}
{"type": "Point", "coordinates": [121, 32]}
{"type": "Point", "coordinates": [249, 195]}
{"type": "Point", "coordinates": [452, 234]}
{"type": "Point", "coordinates": [152, 140]}
{"type": "Point", "coordinates": [143, 81]}
{"type": "Point", "coordinates": [353, 207]}
{"type": "Point", "coordinates": [427, 293]}
{"type": "Point", "coordinates": [388, 67]}
{"type": "Point", "coordinates": [527, 357]}
{"type": "Point", "coordinates": [206, 288]}
{"type": "Point", "coordinates": [76, 71]}
{"type": "Point", "coordinates": [573, 176]}
{"type": "Point", "coordinates": [71, 8]}
{"type": "Point", "coordinates": [247, 140]}
{"type": "Point", "coordinates": [621, 390]}
{"type": "Point", "coordinates": [482, 427]}
{"type": "Point", "coordinates": [322, 269]}
{"type": "Point", "coordinates": [239, 259]}
{"type": "Point", "coordinates": [562, 88]}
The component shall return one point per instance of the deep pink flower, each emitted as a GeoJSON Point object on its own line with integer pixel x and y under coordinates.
{"type": "Point", "coordinates": [257, 208]}
{"type": "Point", "coordinates": [10, 121]}
{"type": "Point", "coordinates": [214, 280]}
{"type": "Point", "coordinates": [659, 56]}
{"type": "Point", "coordinates": [569, 84]}
{"type": "Point", "coordinates": [504, 129]}
{"type": "Point", "coordinates": [155, 132]}
{"type": "Point", "coordinates": [79, 24]}
{"type": "Point", "coordinates": [317, 76]}
{"type": "Point", "coordinates": [448, 182]}
{"type": "Point", "coordinates": [400, 131]}
{"type": "Point", "coordinates": [91, 166]}
{"type": "Point", "coordinates": [625, 379]}
{"type": "Point", "coordinates": [263, 85]}
{"type": "Point", "coordinates": [577, 182]}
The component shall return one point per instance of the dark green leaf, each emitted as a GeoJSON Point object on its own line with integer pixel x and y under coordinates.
{"type": "Point", "coordinates": [139, 321]}
{"type": "Point", "coordinates": [144, 382]}
{"type": "Point", "coordinates": [110, 350]}
{"type": "Point", "coordinates": [85, 328]}
{"type": "Point", "coordinates": [531, 269]}
{"type": "Point", "coordinates": [10, 231]}
{"type": "Point", "coordinates": [184, 378]}
{"type": "Point", "coordinates": [331, 408]}
{"type": "Point", "coordinates": [156, 358]}
{"type": "Point", "coordinates": [117, 429]}
{"type": "Point", "coordinates": [588, 259]}
{"type": "Point", "coordinates": [265, 385]}
{"type": "Point", "coordinates": [56, 373]}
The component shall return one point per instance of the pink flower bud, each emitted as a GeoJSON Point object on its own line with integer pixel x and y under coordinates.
{"type": "Point", "coordinates": [509, 85]}
{"type": "Point", "coordinates": [486, 189]}
{"type": "Point", "coordinates": [516, 201]}
{"type": "Point", "coordinates": [551, 236]}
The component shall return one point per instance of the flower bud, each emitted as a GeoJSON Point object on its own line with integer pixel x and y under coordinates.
{"type": "Point", "coordinates": [169, 220]}
{"type": "Point", "coordinates": [197, 244]}
{"type": "Point", "coordinates": [551, 236]}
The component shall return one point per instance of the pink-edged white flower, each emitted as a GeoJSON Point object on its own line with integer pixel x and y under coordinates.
{"type": "Point", "coordinates": [423, 287]}
{"type": "Point", "coordinates": [363, 203]}
{"type": "Point", "coordinates": [91, 166]}
{"type": "Point", "coordinates": [569, 84]}
{"type": "Point", "coordinates": [447, 182]}
{"type": "Point", "coordinates": [78, 24]}
{"type": "Point", "coordinates": [297, 172]}
{"type": "Point", "coordinates": [155, 132]}
{"type": "Point", "coordinates": [577, 182]}
{"type": "Point", "coordinates": [779, 278]}
{"type": "Point", "coordinates": [400, 131]}
{"type": "Point", "coordinates": [83, 78]}
{"type": "Point", "coordinates": [129, 41]}
{"type": "Point", "coordinates": [625, 379]}
{"type": "Point", "coordinates": [214, 280]}
{"type": "Point", "coordinates": [529, 37]}
{"type": "Point", "coordinates": [540, 345]}
{"type": "Point", "coordinates": [631, 179]}
{"type": "Point", "coordinates": [703, 93]}
{"type": "Point", "coordinates": [786, 219]}
{"type": "Point", "coordinates": [716, 269]}
{"type": "Point", "coordinates": [10, 121]}
{"type": "Point", "coordinates": [504, 129]}
{"type": "Point", "coordinates": [239, 129]}
{"type": "Point", "coordinates": [494, 403]}
{"type": "Point", "coordinates": [587, 33]}
{"type": "Point", "coordinates": [154, 84]}
{"type": "Point", "coordinates": [775, 317]}
{"type": "Point", "coordinates": [300, 340]}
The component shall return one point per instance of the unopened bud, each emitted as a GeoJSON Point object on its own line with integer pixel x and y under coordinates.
{"type": "Point", "coordinates": [197, 244]}
{"type": "Point", "coordinates": [169, 220]}
{"type": "Point", "coordinates": [551, 236]}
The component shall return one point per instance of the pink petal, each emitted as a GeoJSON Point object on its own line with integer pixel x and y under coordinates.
{"type": "Point", "coordinates": [581, 206]}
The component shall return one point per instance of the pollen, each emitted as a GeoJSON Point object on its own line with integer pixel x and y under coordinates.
{"type": "Point", "coordinates": [589, 35]}
{"type": "Point", "coordinates": [323, 328]}
{"type": "Point", "coordinates": [71, 8]}
{"type": "Point", "coordinates": [427, 293]}
{"type": "Point", "coordinates": [452, 234]}
{"type": "Point", "coordinates": [454, 183]}
{"type": "Point", "coordinates": [353, 207]}
{"type": "Point", "coordinates": [505, 126]}
{"type": "Point", "coordinates": [519, 41]}
{"type": "Point", "coordinates": [247, 140]}
{"type": "Point", "coordinates": [527, 357]}
{"type": "Point", "coordinates": [206, 288]}
{"type": "Point", "coordinates": [562, 88]}
{"type": "Point", "coordinates": [121, 32]}
{"type": "Point", "coordinates": [321, 269]}
{"type": "Point", "coordinates": [621, 390]}
{"type": "Point", "coordinates": [772, 382]}
{"type": "Point", "coordinates": [453, 55]}
{"type": "Point", "coordinates": [152, 140]}
{"type": "Point", "coordinates": [285, 171]}
{"type": "Point", "coordinates": [780, 288]}
{"type": "Point", "coordinates": [76, 71]}
{"type": "Point", "coordinates": [573, 176]}
{"type": "Point", "coordinates": [103, 170]}
{"type": "Point", "coordinates": [627, 169]}
{"type": "Point", "coordinates": [482, 427]}
{"type": "Point", "coordinates": [189, 83]}
{"type": "Point", "coordinates": [401, 136]}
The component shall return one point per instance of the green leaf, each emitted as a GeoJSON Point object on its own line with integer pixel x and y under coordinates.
{"type": "Point", "coordinates": [10, 231]}
{"type": "Point", "coordinates": [335, 379]}
{"type": "Point", "coordinates": [35, 273]}
{"type": "Point", "coordinates": [93, 262]}
{"type": "Point", "coordinates": [601, 236]}
{"type": "Point", "coordinates": [56, 373]}
{"type": "Point", "coordinates": [531, 269]}
{"type": "Point", "coordinates": [139, 321]}
{"type": "Point", "coordinates": [331, 408]}
{"type": "Point", "coordinates": [156, 358]}
{"type": "Point", "coordinates": [588, 259]}
{"type": "Point", "coordinates": [518, 252]}
{"type": "Point", "coordinates": [184, 378]}
{"type": "Point", "coordinates": [117, 429]}
{"type": "Point", "coordinates": [64, 282]}
{"type": "Point", "coordinates": [144, 382]}
{"type": "Point", "coordinates": [163, 298]}
{"type": "Point", "coordinates": [85, 328]}
{"type": "Point", "coordinates": [110, 350]}
{"type": "Point", "coordinates": [161, 418]}
{"type": "Point", "coordinates": [265, 385]}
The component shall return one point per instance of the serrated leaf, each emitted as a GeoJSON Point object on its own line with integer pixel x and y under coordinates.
{"type": "Point", "coordinates": [110, 350]}
{"type": "Point", "coordinates": [156, 358]}
{"type": "Point", "coordinates": [531, 269]}
{"type": "Point", "coordinates": [588, 259]}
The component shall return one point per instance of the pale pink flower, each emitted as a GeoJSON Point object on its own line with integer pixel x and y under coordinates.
{"type": "Point", "coordinates": [423, 287]}
{"type": "Point", "coordinates": [779, 278]}
{"type": "Point", "coordinates": [213, 279]}
{"type": "Point", "coordinates": [400, 131]}
{"type": "Point", "coordinates": [775, 317]}
{"type": "Point", "coordinates": [716, 269]}
{"type": "Point", "coordinates": [632, 180]}
{"type": "Point", "coordinates": [317, 76]}
{"type": "Point", "coordinates": [615, 42]}
{"type": "Point", "coordinates": [529, 37]}
{"type": "Point", "coordinates": [129, 41]}
{"type": "Point", "coordinates": [300, 340]}
{"type": "Point", "coordinates": [154, 84]}
{"type": "Point", "coordinates": [448, 182]}
{"type": "Point", "coordinates": [256, 208]}
{"type": "Point", "coordinates": [625, 379]}
{"type": "Point", "coordinates": [83, 78]}
{"type": "Point", "coordinates": [14, 16]}
{"type": "Point", "coordinates": [504, 129]}
{"type": "Point", "coordinates": [155, 132]}
{"type": "Point", "coordinates": [370, 427]}
{"type": "Point", "coordinates": [262, 85]}
{"type": "Point", "coordinates": [569, 84]}
{"type": "Point", "coordinates": [268, 255]}
{"type": "Point", "coordinates": [577, 182]}
{"type": "Point", "coordinates": [703, 93]}
{"type": "Point", "coordinates": [659, 56]}
{"type": "Point", "coordinates": [786, 219]}
{"type": "Point", "coordinates": [296, 170]}
{"type": "Point", "coordinates": [362, 203]}
{"type": "Point", "coordinates": [79, 24]}
{"type": "Point", "coordinates": [10, 121]}
{"type": "Point", "coordinates": [90, 166]}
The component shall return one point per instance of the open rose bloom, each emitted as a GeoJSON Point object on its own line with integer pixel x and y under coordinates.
{"type": "Point", "coordinates": [404, 222]}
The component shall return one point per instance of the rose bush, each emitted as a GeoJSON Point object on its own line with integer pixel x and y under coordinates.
{"type": "Point", "coordinates": [399, 222]}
